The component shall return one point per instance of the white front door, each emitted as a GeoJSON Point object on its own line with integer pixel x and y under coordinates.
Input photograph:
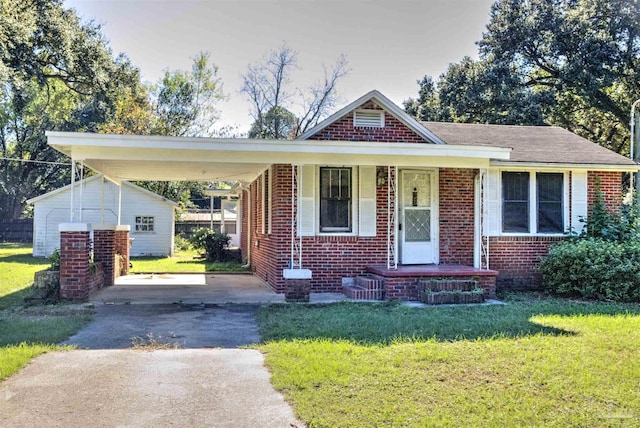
{"type": "Point", "coordinates": [418, 217]}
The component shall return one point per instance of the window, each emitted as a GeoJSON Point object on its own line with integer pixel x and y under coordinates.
{"type": "Point", "coordinates": [335, 200]}
{"type": "Point", "coordinates": [144, 223]}
{"type": "Point", "coordinates": [515, 202]}
{"type": "Point", "coordinates": [533, 202]}
{"type": "Point", "coordinates": [549, 192]}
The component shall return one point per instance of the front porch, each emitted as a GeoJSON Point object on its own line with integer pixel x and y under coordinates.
{"type": "Point", "coordinates": [406, 282]}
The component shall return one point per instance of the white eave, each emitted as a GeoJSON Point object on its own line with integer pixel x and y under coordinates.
{"type": "Point", "coordinates": [133, 157]}
{"type": "Point", "coordinates": [565, 166]}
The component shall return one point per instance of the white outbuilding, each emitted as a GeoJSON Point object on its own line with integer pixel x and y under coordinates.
{"type": "Point", "coordinates": [96, 202]}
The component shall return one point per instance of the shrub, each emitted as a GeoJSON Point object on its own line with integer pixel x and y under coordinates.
{"type": "Point", "coordinates": [54, 260]}
{"type": "Point", "coordinates": [182, 243]}
{"type": "Point", "coordinates": [594, 268]}
{"type": "Point", "coordinates": [214, 244]}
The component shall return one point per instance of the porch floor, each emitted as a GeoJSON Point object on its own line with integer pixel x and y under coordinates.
{"type": "Point", "coordinates": [405, 271]}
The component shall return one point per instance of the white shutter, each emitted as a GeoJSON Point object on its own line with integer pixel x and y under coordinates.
{"type": "Point", "coordinates": [307, 205]}
{"type": "Point", "coordinates": [579, 199]}
{"type": "Point", "coordinates": [263, 203]}
{"type": "Point", "coordinates": [367, 201]}
{"type": "Point", "coordinates": [492, 203]}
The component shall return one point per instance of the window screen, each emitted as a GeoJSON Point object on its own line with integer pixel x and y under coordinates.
{"type": "Point", "coordinates": [550, 194]}
{"type": "Point", "coordinates": [335, 199]}
{"type": "Point", "coordinates": [515, 202]}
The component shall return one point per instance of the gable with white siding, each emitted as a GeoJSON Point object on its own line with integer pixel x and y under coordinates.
{"type": "Point", "coordinates": [53, 208]}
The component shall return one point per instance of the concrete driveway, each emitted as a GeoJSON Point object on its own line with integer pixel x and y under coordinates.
{"type": "Point", "coordinates": [107, 383]}
{"type": "Point", "coordinates": [178, 388]}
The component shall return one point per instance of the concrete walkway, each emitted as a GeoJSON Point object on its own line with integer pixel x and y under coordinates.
{"type": "Point", "coordinates": [178, 388]}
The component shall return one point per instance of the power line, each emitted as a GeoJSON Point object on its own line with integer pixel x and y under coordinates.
{"type": "Point", "coordinates": [36, 161]}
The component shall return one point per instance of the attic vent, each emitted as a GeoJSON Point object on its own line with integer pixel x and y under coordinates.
{"type": "Point", "coordinates": [368, 118]}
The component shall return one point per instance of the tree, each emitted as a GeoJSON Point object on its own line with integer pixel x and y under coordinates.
{"type": "Point", "coordinates": [185, 102]}
{"type": "Point", "coordinates": [586, 53]}
{"type": "Point", "coordinates": [56, 73]}
{"type": "Point", "coordinates": [573, 63]}
{"type": "Point", "coordinates": [267, 86]}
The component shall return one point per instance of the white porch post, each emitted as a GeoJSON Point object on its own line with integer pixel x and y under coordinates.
{"type": "Point", "coordinates": [73, 180]}
{"type": "Point", "coordinates": [392, 217]}
{"type": "Point", "coordinates": [223, 229]}
{"type": "Point", "coordinates": [102, 200]}
{"type": "Point", "coordinates": [119, 203]}
{"type": "Point", "coordinates": [81, 187]}
{"type": "Point", "coordinates": [296, 238]}
{"type": "Point", "coordinates": [481, 242]}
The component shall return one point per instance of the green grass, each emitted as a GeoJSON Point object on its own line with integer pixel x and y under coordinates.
{"type": "Point", "coordinates": [182, 262]}
{"type": "Point", "coordinates": [17, 267]}
{"type": "Point", "coordinates": [28, 332]}
{"type": "Point", "coordinates": [533, 362]}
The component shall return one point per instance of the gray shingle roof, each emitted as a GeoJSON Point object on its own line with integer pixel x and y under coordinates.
{"type": "Point", "coordinates": [535, 144]}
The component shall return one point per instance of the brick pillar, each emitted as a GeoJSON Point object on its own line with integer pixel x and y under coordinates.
{"type": "Point", "coordinates": [75, 248]}
{"type": "Point", "coordinates": [122, 247]}
{"type": "Point", "coordinates": [104, 250]}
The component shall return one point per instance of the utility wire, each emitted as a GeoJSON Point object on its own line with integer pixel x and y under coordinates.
{"type": "Point", "coordinates": [36, 161]}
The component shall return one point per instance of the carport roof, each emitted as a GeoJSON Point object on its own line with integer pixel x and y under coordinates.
{"type": "Point", "coordinates": [136, 157]}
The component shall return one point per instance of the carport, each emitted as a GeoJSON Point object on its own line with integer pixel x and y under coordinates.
{"type": "Point", "coordinates": [130, 157]}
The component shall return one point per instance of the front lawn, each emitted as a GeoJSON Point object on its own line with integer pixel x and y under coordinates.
{"type": "Point", "coordinates": [182, 262]}
{"type": "Point", "coordinates": [533, 362]}
{"type": "Point", "coordinates": [28, 332]}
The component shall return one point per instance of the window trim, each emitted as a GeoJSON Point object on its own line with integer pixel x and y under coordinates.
{"type": "Point", "coordinates": [136, 224]}
{"type": "Point", "coordinates": [354, 201]}
{"type": "Point", "coordinates": [533, 202]}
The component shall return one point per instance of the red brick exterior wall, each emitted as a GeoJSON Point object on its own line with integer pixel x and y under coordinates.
{"type": "Point", "coordinates": [517, 257]}
{"type": "Point", "coordinates": [393, 131]}
{"type": "Point", "coordinates": [104, 252]}
{"type": "Point", "coordinates": [610, 186]}
{"type": "Point", "coordinates": [122, 247]}
{"type": "Point", "coordinates": [74, 266]}
{"type": "Point", "coordinates": [457, 194]}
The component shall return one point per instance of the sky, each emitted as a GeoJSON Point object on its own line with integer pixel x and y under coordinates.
{"type": "Point", "coordinates": [389, 44]}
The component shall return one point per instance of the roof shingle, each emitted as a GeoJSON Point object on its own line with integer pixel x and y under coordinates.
{"type": "Point", "coordinates": [535, 144]}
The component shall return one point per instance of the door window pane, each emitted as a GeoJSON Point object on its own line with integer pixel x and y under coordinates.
{"type": "Point", "coordinates": [515, 202]}
{"type": "Point", "coordinates": [335, 199]}
{"type": "Point", "coordinates": [550, 200]}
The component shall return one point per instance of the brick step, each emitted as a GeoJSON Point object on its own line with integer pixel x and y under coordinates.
{"type": "Point", "coordinates": [446, 284]}
{"type": "Point", "coordinates": [370, 282]}
{"type": "Point", "coordinates": [451, 297]}
{"type": "Point", "coordinates": [358, 293]}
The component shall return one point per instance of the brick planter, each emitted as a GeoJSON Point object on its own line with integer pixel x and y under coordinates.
{"type": "Point", "coordinates": [451, 297]}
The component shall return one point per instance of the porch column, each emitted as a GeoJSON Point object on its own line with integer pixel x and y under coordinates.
{"type": "Point", "coordinates": [122, 246]}
{"type": "Point", "coordinates": [392, 217]}
{"type": "Point", "coordinates": [74, 261]}
{"type": "Point", "coordinates": [104, 250]}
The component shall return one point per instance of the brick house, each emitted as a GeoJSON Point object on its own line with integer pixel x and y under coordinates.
{"type": "Point", "coordinates": [372, 194]}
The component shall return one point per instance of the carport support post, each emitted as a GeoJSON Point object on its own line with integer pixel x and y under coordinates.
{"type": "Point", "coordinates": [104, 250]}
{"type": "Point", "coordinates": [122, 246]}
{"type": "Point", "coordinates": [74, 261]}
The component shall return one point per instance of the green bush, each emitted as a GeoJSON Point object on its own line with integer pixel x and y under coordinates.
{"type": "Point", "coordinates": [214, 244]}
{"type": "Point", "coordinates": [594, 268]}
{"type": "Point", "coordinates": [54, 260]}
{"type": "Point", "coordinates": [181, 243]}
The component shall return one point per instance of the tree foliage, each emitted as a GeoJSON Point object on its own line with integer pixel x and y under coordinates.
{"type": "Point", "coordinates": [56, 73]}
{"type": "Point", "coordinates": [573, 63]}
{"type": "Point", "coordinates": [267, 85]}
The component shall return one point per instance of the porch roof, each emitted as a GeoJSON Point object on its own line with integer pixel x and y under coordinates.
{"type": "Point", "coordinates": [135, 157]}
